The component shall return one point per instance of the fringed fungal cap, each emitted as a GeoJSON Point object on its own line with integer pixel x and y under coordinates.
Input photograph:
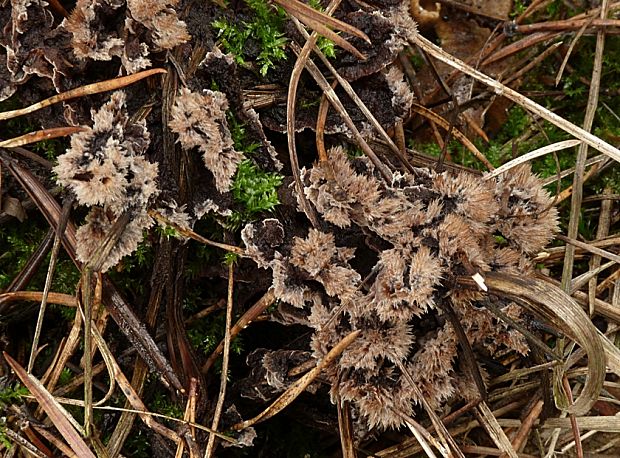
{"type": "Point", "coordinates": [99, 222]}
{"type": "Point", "coordinates": [106, 170]}
{"type": "Point", "coordinates": [105, 164]}
{"type": "Point", "coordinates": [161, 20]}
{"type": "Point", "coordinates": [199, 120]}
{"type": "Point", "coordinates": [526, 215]}
{"type": "Point", "coordinates": [89, 40]}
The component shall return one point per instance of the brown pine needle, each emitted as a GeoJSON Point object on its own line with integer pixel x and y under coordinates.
{"type": "Point", "coordinates": [89, 89]}
{"type": "Point", "coordinates": [40, 135]}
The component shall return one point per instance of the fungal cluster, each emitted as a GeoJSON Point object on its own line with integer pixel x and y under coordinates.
{"type": "Point", "coordinates": [132, 30]}
{"type": "Point", "coordinates": [106, 169]}
{"type": "Point", "coordinates": [427, 229]}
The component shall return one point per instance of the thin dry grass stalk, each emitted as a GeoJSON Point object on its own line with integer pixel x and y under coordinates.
{"type": "Point", "coordinates": [293, 391]}
{"type": "Point", "coordinates": [531, 155]}
{"type": "Point", "coordinates": [53, 298]}
{"type": "Point", "coordinates": [500, 89]}
{"type": "Point", "coordinates": [224, 377]}
{"type": "Point", "coordinates": [582, 154]}
{"type": "Point", "coordinates": [251, 314]}
{"type": "Point", "coordinates": [489, 422]}
{"type": "Point", "coordinates": [64, 217]}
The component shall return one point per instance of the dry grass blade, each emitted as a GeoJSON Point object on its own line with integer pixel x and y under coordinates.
{"type": "Point", "coordinates": [526, 427]}
{"type": "Point", "coordinates": [92, 268]}
{"type": "Point", "coordinates": [39, 135]}
{"type": "Point", "coordinates": [23, 442]}
{"type": "Point", "coordinates": [64, 217]}
{"type": "Point", "coordinates": [345, 427]}
{"type": "Point", "coordinates": [574, 41]}
{"type": "Point", "coordinates": [224, 378]}
{"type": "Point", "coordinates": [59, 444]}
{"type": "Point", "coordinates": [425, 439]}
{"type": "Point", "coordinates": [488, 420]}
{"type": "Point", "coordinates": [582, 154]}
{"type": "Point", "coordinates": [558, 308]}
{"type": "Point", "coordinates": [259, 307]}
{"type": "Point", "coordinates": [89, 89]}
{"type": "Point", "coordinates": [602, 231]}
{"type": "Point", "coordinates": [531, 155]}
{"type": "Point", "coordinates": [300, 385]}
{"type": "Point", "coordinates": [590, 248]}
{"type": "Point", "coordinates": [321, 22]}
{"type": "Point", "coordinates": [57, 414]}
{"type": "Point", "coordinates": [612, 353]}
{"type": "Point", "coordinates": [189, 415]}
{"type": "Point", "coordinates": [610, 424]}
{"type": "Point", "coordinates": [500, 89]}
{"type": "Point", "coordinates": [434, 117]}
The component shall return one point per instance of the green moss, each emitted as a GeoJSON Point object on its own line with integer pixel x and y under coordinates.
{"type": "Point", "coordinates": [206, 334]}
{"type": "Point", "coordinates": [518, 8]}
{"type": "Point", "coordinates": [256, 190]}
{"type": "Point", "coordinates": [137, 445]}
{"type": "Point", "coordinates": [241, 140]}
{"type": "Point", "coordinates": [265, 28]}
{"type": "Point", "coordinates": [326, 46]}
{"type": "Point", "coordinates": [13, 394]}
{"type": "Point", "coordinates": [163, 405]}
{"type": "Point", "coordinates": [10, 395]}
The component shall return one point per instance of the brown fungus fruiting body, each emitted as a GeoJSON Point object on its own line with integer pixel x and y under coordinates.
{"type": "Point", "coordinates": [132, 30]}
{"type": "Point", "coordinates": [199, 120]}
{"type": "Point", "coordinates": [437, 227]}
{"type": "Point", "coordinates": [106, 169]}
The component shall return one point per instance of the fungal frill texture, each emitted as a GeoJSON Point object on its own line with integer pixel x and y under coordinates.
{"type": "Point", "coordinates": [106, 169]}
{"type": "Point", "coordinates": [103, 29]}
{"type": "Point", "coordinates": [433, 228]}
{"type": "Point", "coordinates": [199, 120]}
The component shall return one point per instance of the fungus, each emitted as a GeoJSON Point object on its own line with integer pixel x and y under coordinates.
{"type": "Point", "coordinates": [435, 227]}
{"type": "Point", "coordinates": [100, 31]}
{"type": "Point", "coordinates": [199, 120]}
{"type": "Point", "coordinates": [106, 170]}
{"type": "Point", "coordinates": [160, 18]}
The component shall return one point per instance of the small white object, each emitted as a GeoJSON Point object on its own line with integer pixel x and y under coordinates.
{"type": "Point", "coordinates": [479, 279]}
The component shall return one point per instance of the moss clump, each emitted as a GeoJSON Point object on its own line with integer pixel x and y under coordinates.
{"type": "Point", "coordinates": [256, 190]}
{"type": "Point", "coordinates": [265, 29]}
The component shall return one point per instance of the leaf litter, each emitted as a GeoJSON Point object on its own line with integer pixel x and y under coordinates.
{"type": "Point", "coordinates": [417, 293]}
